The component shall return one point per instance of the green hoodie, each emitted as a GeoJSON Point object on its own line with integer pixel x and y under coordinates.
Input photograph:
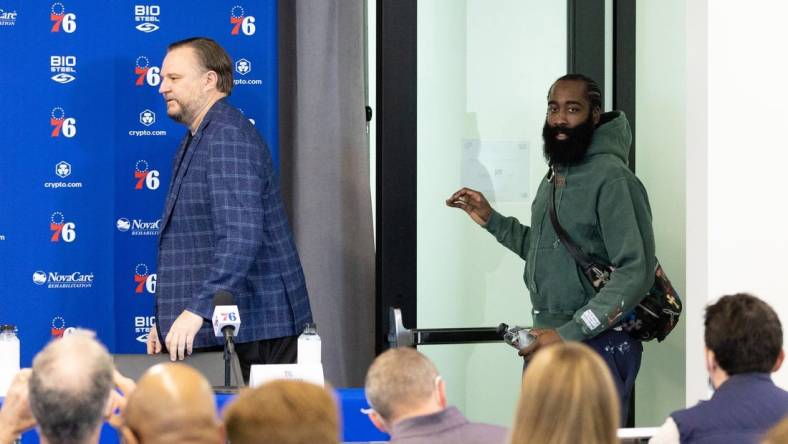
{"type": "Point", "coordinates": [605, 210]}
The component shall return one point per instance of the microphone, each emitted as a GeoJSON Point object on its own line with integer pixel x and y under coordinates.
{"type": "Point", "coordinates": [226, 321]}
{"type": "Point", "coordinates": [226, 318]}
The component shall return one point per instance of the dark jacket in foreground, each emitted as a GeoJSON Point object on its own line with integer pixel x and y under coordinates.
{"type": "Point", "coordinates": [741, 410]}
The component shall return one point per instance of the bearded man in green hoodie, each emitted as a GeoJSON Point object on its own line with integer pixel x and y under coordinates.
{"type": "Point", "coordinates": [604, 208]}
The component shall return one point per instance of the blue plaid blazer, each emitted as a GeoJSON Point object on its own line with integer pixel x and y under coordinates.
{"type": "Point", "coordinates": [224, 227]}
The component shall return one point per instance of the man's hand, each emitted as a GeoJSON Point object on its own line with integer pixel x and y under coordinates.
{"type": "Point", "coordinates": [472, 202]}
{"type": "Point", "coordinates": [117, 400]}
{"type": "Point", "coordinates": [154, 346]}
{"type": "Point", "coordinates": [15, 416]}
{"type": "Point", "coordinates": [180, 338]}
{"type": "Point", "coordinates": [544, 337]}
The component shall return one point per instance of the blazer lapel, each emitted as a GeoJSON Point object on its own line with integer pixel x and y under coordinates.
{"type": "Point", "coordinates": [179, 172]}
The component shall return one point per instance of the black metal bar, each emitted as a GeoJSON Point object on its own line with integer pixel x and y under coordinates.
{"type": "Point", "coordinates": [585, 50]}
{"type": "Point", "coordinates": [624, 65]}
{"type": "Point", "coordinates": [395, 263]}
{"type": "Point", "coordinates": [456, 335]}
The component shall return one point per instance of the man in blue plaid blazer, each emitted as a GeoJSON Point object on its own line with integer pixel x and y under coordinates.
{"type": "Point", "coordinates": [224, 225]}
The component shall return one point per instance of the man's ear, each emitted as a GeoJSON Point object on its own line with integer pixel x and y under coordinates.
{"type": "Point", "coordinates": [779, 362]}
{"type": "Point", "coordinates": [596, 114]}
{"type": "Point", "coordinates": [377, 421]}
{"type": "Point", "coordinates": [711, 361]}
{"type": "Point", "coordinates": [127, 436]}
{"type": "Point", "coordinates": [211, 80]}
{"type": "Point", "coordinates": [442, 393]}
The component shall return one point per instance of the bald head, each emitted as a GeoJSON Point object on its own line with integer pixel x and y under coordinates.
{"type": "Point", "coordinates": [401, 381]}
{"type": "Point", "coordinates": [70, 384]}
{"type": "Point", "coordinates": [172, 403]}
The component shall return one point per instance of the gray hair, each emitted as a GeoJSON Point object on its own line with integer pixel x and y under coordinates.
{"type": "Point", "coordinates": [69, 388]}
{"type": "Point", "coordinates": [398, 381]}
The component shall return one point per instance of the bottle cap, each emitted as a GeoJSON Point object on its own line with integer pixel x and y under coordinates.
{"type": "Point", "coordinates": [7, 328]}
{"type": "Point", "coordinates": [310, 327]}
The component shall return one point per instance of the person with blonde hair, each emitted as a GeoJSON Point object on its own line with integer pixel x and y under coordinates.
{"type": "Point", "coordinates": [567, 396]}
{"type": "Point", "coordinates": [283, 412]}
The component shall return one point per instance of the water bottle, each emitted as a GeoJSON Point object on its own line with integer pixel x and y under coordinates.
{"type": "Point", "coordinates": [309, 345]}
{"type": "Point", "coordinates": [9, 357]}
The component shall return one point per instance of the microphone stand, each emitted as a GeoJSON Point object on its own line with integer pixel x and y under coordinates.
{"type": "Point", "coordinates": [229, 351]}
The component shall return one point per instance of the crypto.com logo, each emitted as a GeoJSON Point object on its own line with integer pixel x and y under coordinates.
{"type": "Point", "coordinates": [148, 16]}
{"type": "Point", "coordinates": [62, 20]}
{"type": "Point", "coordinates": [241, 22]}
{"type": "Point", "coordinates": [64, 68]}
{"type": "Point", "coordinates": [62, 230]}
{"type": "Point", "coordinates": [145, 73]}
{"type": "Point", "coordinates": [143, 280]}
{"type": "Point", "coordinates": [67, 126]}
{"type": "Point", "coordinates": [63, 169]}
{"type": "Point", "coordinates": [145, 176]}
{"type": "Point", "coordinates": [147, 117]}
{"type": "Point", "coordinates": [243, 67]}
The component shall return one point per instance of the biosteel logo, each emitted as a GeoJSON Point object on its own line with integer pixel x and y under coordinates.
{"type": "Point", "coordinates": [146, 74]}
{"type": "Point", "coordinates": [62, 20]}
{"type": "Point", "coordinates": [54, 279]}
{"type": "Point", "coordinates": [61, 124]}
{"type": "Point", "coordinates": [142, 326]}
{"type": "Point", "coordinates": [61, 229]}
{"type": "Point", "coordinates": [146, 177]}
{"type": "Point", "coordinates": [143, 280]}
{"type": "Point", "coordinates": [64, 67]}
{"type": "Point", "coordinates": [242, 23]}
{"type": "Point", "coordinates": [147, 17]}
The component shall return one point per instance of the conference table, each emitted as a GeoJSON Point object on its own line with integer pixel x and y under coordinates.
{"type": "Point", "coordinates": [356, 428]}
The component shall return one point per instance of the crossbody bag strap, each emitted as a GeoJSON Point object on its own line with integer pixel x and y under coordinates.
{"type": "Point", "coordinates": [579, 255]}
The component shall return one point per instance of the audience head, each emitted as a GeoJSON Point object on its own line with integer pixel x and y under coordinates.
{"type": "Point", "coordinates": [283, 412]}
{"type": "Point", "coordinates": [70, 385]}
{"type": "Point", "coordinates": [402, 383]}
{"type": "Point", "coordinates": [743, 335]}
{"type": "Point", "coordinates": [570, 382]}
{"type": "Point", "coordinates": [172, 403]}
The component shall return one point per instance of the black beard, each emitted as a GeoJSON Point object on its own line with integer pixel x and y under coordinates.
{"type": "Point", "coordinates": [572, 150]}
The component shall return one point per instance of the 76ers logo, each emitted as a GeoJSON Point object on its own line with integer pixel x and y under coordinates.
{"type": "Point", "coordinates": [62, 230]}
{"type": "Point", "coordinates": [241, 22]}
{"type": "Point", "coordinates": [145, 176]}
{"type": "Point", "coordinates": [66, 22]}
{"type": "Point", "coordinates": [144, 280]}
{"type": "Point", "coordinates": [145, 73]}
{"type": "Point", "coordinates": [67, 126]}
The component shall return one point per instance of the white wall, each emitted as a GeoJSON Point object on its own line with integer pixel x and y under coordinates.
{"type": "Point", "coordinates": [744, 220]}
{"type": "Point", "coordinates": [661, 151]}
{"type": "Point", "coordinates": [483, 73]}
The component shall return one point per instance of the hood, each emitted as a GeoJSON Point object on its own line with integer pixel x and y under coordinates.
{"type": "Point", "coordinates": [612, 136]}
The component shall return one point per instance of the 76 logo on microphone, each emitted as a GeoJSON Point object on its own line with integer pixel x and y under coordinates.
{"type": "Point", "coordinates": [146, 177]}
{"type": "Point", "coordinates": [61, 229]}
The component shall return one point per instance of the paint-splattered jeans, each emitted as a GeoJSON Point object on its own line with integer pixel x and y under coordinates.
{"type": "Point", "coordinates": [622, 355]}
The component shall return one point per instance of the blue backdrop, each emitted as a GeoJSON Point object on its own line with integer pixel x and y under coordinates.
{"type": "Point", "coordinates": [87, 152]}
